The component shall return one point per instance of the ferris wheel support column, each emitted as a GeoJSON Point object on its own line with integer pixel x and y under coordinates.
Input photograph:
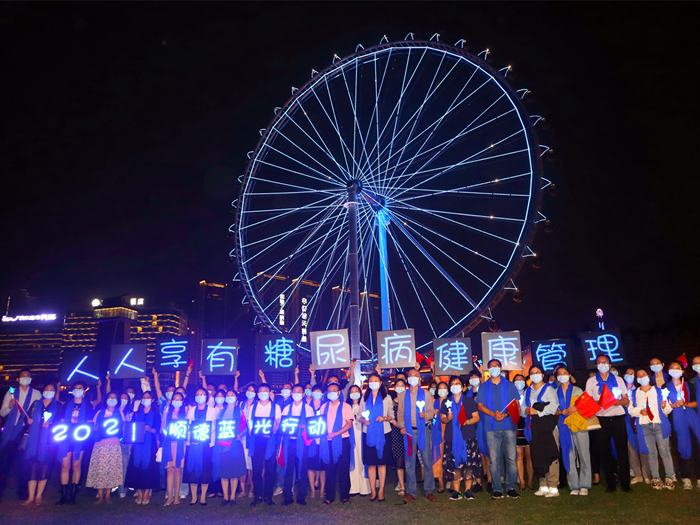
{"type": "Point", "coordinates": [382, 225]}
{"type": "Point", "coordinates": [353, 189]}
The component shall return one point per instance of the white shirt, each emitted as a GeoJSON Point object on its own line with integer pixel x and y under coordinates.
{"type": "Point", "coordinates": [645, 399]}
{"type": "Point", "coordinates": [265, 410]}
{"type": "Point", "coordinates": [5, 410]}
{"type": "Point", "coordinates": [550, 397]}
{"type": "Point", "coordinates": [387, 411]}
{"type": "Point", "coordinates": [592, 389]}
{"type": "Point", "coordinates": [296, 410]}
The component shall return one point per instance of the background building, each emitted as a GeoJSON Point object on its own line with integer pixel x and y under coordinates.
{"type": "Point", "coordinates": [154, 322]}
{"type": "Point", "coordinates": [208, 317]}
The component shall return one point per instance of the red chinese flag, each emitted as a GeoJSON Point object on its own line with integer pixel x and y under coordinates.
{"type": "Point", "coordinates": [419, 358]}
{"type": "Point", "coordinates": [607, 399]}
{"type": "Point", "coordinates": [586, 405]}
{"type": "Point", "coordinates": [409, 450]}
{"type": "Point", "coordinates": [650, 414]}
{"type": "Point", "coordinates": [191, 363]}
{"type": "Point", "coordinates": [280, 458]}
{"type": "Point", "coordinates": [243, 425]}
{"type": "Point", "coordinates": [462, 416]}
{"type": "Point", "coordinates": [513, 409]}
{"type": "Point", "coordinates": [683, 360]}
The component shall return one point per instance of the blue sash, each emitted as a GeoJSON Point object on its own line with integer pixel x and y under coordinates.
{"type": "Point", "coordinates": [663, 420]}
{"type": "Point", "coordinates": [236, 446]}
{"type": "Point", "coordinates": [611, 381]}
{"type": "Point", "coordinates": [683, 421]}
{"type": "Point", "coordinates": [407, 419]}
{"type": "Point", "coordinates": [179, 444]}
{"type": "Point", "coordinates": [488, 397]}
{"type": "Point", "coordinates": [375, 431]}
{"type": "Point", "coordinates": [38, 439]}
{"type": "Point", "coordinates": [270, 442]}
{"type": "Point", "coordinates": [336, 442]}
{"type": "Point", "coordinates": [143, 452]}
{"type": "Point", "coordinates": [13, 424]}
{"type": "Point", "coordinates": [632, 427]}
{"type": "Point", "coordinates": [697, 392]}
{"type": "Point", "coordinates": [299, 441]}
{"type": "Point", "coordinates": [436, 432]}
{"type": "Point", "coordinates": [528, 428]}
{"type": "Point", "coordinates": [459, 445]}
{"type": "Point", "coordinates": [565, 441]}
{"type": "Point", "coordinates": [195, 453]}
{"type": "Point", "coordinates": [66, 446]}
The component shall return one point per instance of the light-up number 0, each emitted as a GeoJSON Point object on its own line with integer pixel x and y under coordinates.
{"type": "Point", "coordinates": [80, 433]}
{"type": "Point", "coordinates": [111, 426]}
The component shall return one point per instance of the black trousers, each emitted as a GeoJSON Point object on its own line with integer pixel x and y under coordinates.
{"type": "Point", "coordinates": [260, 464]}
{"type": "Point", "coordinates": [339, 471]}
{"type": "Point", "coordinates": [595, 453]}
{"type": "Point", "coordinates": [686, 466]}
{"type": "Point", "coordinates": [9, 454]}
{"type": "Point", "coordinates": [292, 473]}
{"type": "Point", "coordinates": [614, 428]}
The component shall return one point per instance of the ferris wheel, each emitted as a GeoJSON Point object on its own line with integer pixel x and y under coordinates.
{"type": "Point", "coordinates": [401, 184]}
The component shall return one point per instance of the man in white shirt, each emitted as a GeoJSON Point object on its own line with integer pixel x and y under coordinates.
{"type": "Point", "coordinates": [295, 465]}
{"type": "Point", "coordinates": [264, 408]}
{"type": "Point", "coordinates": [612, 425]}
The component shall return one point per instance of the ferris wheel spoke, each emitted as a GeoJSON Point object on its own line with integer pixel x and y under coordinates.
{"type": "Point", "coordinates": [305, 189]}
{"type": "Point", "coordinates": [324, 180]}
{"type": "Point", "coordinates": [425, 193]}
{"type": "Point", "coordinates": [279, 216]}
{"type": "Point", "coordinates": [459, 214]}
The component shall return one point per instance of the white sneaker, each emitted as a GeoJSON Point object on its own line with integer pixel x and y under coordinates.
{"type": "Point", "coordinates": [687, 484]}
{"type": "Point", "coordinates": [122, 496]}
{"type": "Point", "coordinates": [583, 492]}
{"type": "Point", "coordinates": [398, 487]}
{"type": "Point", "coordinates": [542, 491]}
{"type": "Point", "coordinates": [674, 479]}
{"type": "Point", "coordinates": [636, 480]}
{"type": "Point", "coordinates": [574, 493]}
{"type": "Point", "coordinates": [553, 493]}
{"type": "Point", "coordinates": [278, 491]}
{"type": "Point", "coordinates": [647, 481]}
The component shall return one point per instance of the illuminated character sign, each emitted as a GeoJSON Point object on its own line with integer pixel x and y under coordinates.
{"type": "Point", "coordinates": [504, 346]}
{"type": "Point", "coordinates": [330, 349]}
{"type": "Point", "coordinates": [128, 361]}
{"type": "Point", "coordinates": [111, 427]}
{"type": "Point", "coordinates": [316, 426]}
{"type": "Point", "coordinates": [548, 353]}
{"type": "Point", "coordinates": [262, 426]}
{"type": "Point", "coordinates": [74, 433]}
{"type": "Point", "coordinates": [289, 425]}
{"type": "Point", "coordinates": [134, 432]}
{"type": "Point", "coordinates": [226, 429]}
{"type": "Point", "coordinates": [172, 354]}
{"type": "Point", "coordinates": [219, 356]}
{"type": "Point", "coordinates": [397, 348]}
{"type": "Point", "coordinates": [452, 356]}
{"type": "Point", "coordinates": [177, 430]}
{"type": "Point", "coordinates": [84, 366]}
{"type": "Point", "coordinates": [200, 432]}
{"type": "Point", "coordinates": [608, 343]}
{"type": "Point", "coordinates": [279, 352]}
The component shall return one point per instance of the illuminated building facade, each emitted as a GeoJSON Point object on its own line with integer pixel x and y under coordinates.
{"type": "Point", "coordinates": [154, 322]}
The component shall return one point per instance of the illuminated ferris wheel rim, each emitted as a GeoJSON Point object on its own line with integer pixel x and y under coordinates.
{"type": "Point", "coordinates": [355, 60]}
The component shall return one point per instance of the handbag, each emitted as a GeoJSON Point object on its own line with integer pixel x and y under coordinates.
{"type": "Point", "coordinates": [593, 423]}
{"type": "Point", "coordinates": [159, 455]}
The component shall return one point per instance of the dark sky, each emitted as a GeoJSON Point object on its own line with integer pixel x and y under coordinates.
{"type": "Point", "coordinates": [124, 127]}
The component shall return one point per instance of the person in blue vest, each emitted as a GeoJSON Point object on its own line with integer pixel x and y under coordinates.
{"type": "Point", "coordinates": [492, 400]}
{"type": "Point", "coordinates": [14, 407]}
{"type": "Point", "coordinates": [651, 411]}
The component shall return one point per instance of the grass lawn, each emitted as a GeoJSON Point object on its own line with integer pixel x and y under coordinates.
{"type": "Point", "coordinates": [644, 506]}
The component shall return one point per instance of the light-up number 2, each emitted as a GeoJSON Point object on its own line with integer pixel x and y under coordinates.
{"type": "Point", "coordinates": [60, 432]}
{"type": "Point", "coordinates": [111, 426]}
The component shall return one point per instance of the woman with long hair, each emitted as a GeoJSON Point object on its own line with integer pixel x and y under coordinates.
{"type": "Point", "coordinates": [173, 449]}
{"type": "Point", "coordinates": [359, 484]}
{"type": "Point", "coordinates": [376, 434]}
{"type": "Point", "coordinates": [143, 472]}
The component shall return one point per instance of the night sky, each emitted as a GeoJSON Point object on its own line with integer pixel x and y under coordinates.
{"type": "Point", "coordinates": [125, 126]}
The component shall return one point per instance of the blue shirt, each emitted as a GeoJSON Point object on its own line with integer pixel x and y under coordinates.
{"type": "Point", "coordinates": [498, 405]}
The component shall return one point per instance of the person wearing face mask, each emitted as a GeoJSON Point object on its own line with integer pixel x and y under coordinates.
{"type": "Point", "coordinates": [415, 412]}
{"type": "Point", "coordinates": [163, 397]}
{"type": "Point", "coordinates": [397, 440]}
{"type": "Point", "coordinates": [285, 397]}
{"type": "Point", "coordinates": [696, 382]}
{"type": "Point", "coordinates": [105, 471]}
{"type": "Point", "coordinates": [651, 411]}
{"type": "Point", "coordinates": [522, 444]}
{"type": "Point", "coordinates": [492, 400]}
{"type": "Point", "coordinates": [462, 460]}
{"type": "Point", "coordinates": [574, 440]}
{"type": "Point", "coordinates": [251, 395]}
{"type": "Point", "coordinates": [198, 459]}
{"type": "Point", "coordinates": [317, 470]}
{"type": "Point", "coordinates": [77, 411]}
{"type": "Point", "coordinates": [293, 449]}
{"type": "Point", "coordinates": [474, 380]}
{"type": "Point", "coordinates": [336, 448]}
{"type": "Point", "coordinates": [40, 451]}
{"type": "Point", "coordinates": [126, 408]}
{"type": "Point", "coordinates": [228, 457]}
{"type": "Point", "coordinates": [612, 423]}
{"type": "Point", "coordinates": [262, 448]}
{"type": "Point", "coordinates": [173, 459]}
{"type": "Point", "coordinates": [359, 484]}
{"type": "Point", "coordinates": [14, 407]}
{"type": "Point", "coordinates": [639, 461]}
{"type": "Point", "coordinates": [143, 472]}
{"type": "Point", "coordinates": [436, 435]}
{"type": "Point", "coordinates": [539, 407]}
{"type": "Point", "coordinates": [376, 438]}
{"type": "Point", "coordinates": [686, 425]}
{"type": "Point", "coordinates": [660, 377]}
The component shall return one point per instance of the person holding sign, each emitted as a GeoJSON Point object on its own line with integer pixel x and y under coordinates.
{"type": "Point", "coordinates": [294, 451]}
{"type": "Point", "coordinates": [377, 413]}
{"type": "Point", "coordinates": [359, 484]}
{"type": "Point", "coordinates": [173, 448]}
{"type": "Point", "coordinates": [397, 440]}
{"type": "Point", "coordinates": [336, 446]}
{"type": "Point", "coordinates": [229, 459]}
{"type": "Point", "coordinates": [686, 426]}
{"type": "Point", "coordinates": [198, 460]}
{"type": "Point", "coordinates": [105, 471]}
{"type": "Point", "coordinates": [651, 408]}
{"type": "Point", "coordinates": [415, 412]}
{"type": "Point", "coordinates": [442, 390]}
{"type": "Point", "coordinates": [317, 470]}
{"type": "Point", "coordinates": [263, 424]}
{"type": "Point", "coordinates": [40, 452]}
{"type": "Point", "coordinates": [493, 400]}
{"type": "Point", "coordinates": [143, 472]}
{"type": "Point", "coordinates": [611, 393]}
{"type": "Point", "coordinates": [462, 460]}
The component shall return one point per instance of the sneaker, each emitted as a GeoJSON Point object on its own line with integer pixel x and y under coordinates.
{"type": "Point", "coordinates": [122, 495]}
{"type": "Point", "coordinates": [478, 488]}
{"type": "Point", "coordinates": [278, 491]}
{"type": "Point", "coordinates": [674, 479]}
{"type": "Point", "coordinates": [512, 494]}
{"type": "Point", "coordinates": [687, 484]}
{"type": "Point", "coordinates": [668, 484]}
{"type": "Point", "coordinates": [647, 481]}
{"type": "Point", "coordinates": [456, 496]}
{"type": "Point", "coordinates": [468, 495]}
{"type": "Point", "coordinates": [583, 492]}
{"type": "Point", "coordinates": [553, 493]}
{"type": "Point", "coordinates": [542, 491]}
{"type": "Point", "coordinates": [574, 493]}
{"type": "Point", "coordinates": [489, 487]}
{"type": "Point", "coordinates": [656, 484]}
{"type": "Point", "coordinates": [397, 488]}
{"type": "Point", "coordinates": [497, 495]}
{"type": "Point", "coordinates": [636, 480]}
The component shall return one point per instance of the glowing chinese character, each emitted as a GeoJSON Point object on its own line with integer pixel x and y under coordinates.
{"type": "Point", "coordinates": [504, 349]}
{"type": "Point", "coordinates": [217, 355]}
{"type": "Point", "coordinates": [171, 353]}
{"type": "Point", "coordinates": [289, 425]}
{"type": "Point", "coordinates": [329, 347]}
{"type": "Point", "coordinates": [604, 344]}
{"type": "Point", "coordinates": [201, 432]}
{"type": "Point", "coordinates": [278, 353]}
{"type": "Point", "coordinates": [453, 356]}
{"type": "Point", "coordinates": [397, 347]}
{"type": "Point", "coordinates": [124, 363]}
{"type": "Point", "coordinates": [263, 426]}
{"type": "Point", "coordinates": [550, 354]}
{"type": "Point", "coordinates": [77, 370]}
{"type": "Point", "coordinates": [317, 427]}
{"type": "Point", "coordinates": [227, 429]}
{"type": "Point", "coordinates": [177, 429]}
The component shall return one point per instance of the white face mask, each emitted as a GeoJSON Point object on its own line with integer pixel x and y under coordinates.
{"type": "Point", "coordinates": [297, 397]}
{"type": "Point", "coordinates": [520, 385]}
{"type": "Point", "coordinates": [374, 385]}
{"type": "Point", "coordinates": [200, 400]}
{"type": "Point", "coordinates": [123, 402]}
{"type": "Point", "coordinates": [131, 395]}
{"type": "Point", "coordinates": [562, 379]}
{"type": "Point", "coordinates": [696, 368]}
{"type": "Point", "coordinates": [475, 382]}
{"type": "Point", "coordinates": [644, 381]}
{"type": "Point", "coordinates": [169, 395]}
{"type": "Point", "coordinates": [656, 368]}
{"type": "Point", "coordinates": [317, 395]}
{"type": "Point", "coordinates": [250, 395]}
{"type": "Point", "coordinates": [264, 396]}
{"type": "Point", "coordinates": [308, 392]}
{"type": "Point", "coordinates": [413, 381]}
{"type": "Point", "coordinates": [79, 392]}
{"type": "Point", "coordinates": [355, 395]}
{"type": "Point", "coordinates": [675, 374]}
{"type": "Point", "coordinates": [177, 403]}
{"type": "Point", "coordinates": [603, 368]}
{"type": "Point", "coordinates": [146, 402]}
{"type": "Point", "coordinates": [432, 391]}
{"type": "Point", "coordinates": [495, 371]}
{"type": "Point", "coordinates": [536, 378]}
{"type": "Point", "coordinates": [219, 400]}
{"type": "Point", "coordinates": [49, 394]}
{"type": "Point", "coordinates": [629, 379]}
{"type": "Point", "coordinates": [286, 393]}
{"type": "Point", "coordinates": [111, 403]}
{"type": "Point", "coordinates": [443, 392]}
{"type": "Point", "coordinates": [333, 396]}
{"type": "Point", "coordinates": [25, 381]}
{"type": "Point", "coordinates": [230, 400]}
{"type": "Point", "coordinates": [456, 389]}
{"type": "Point", "coordinates": [400, 390]}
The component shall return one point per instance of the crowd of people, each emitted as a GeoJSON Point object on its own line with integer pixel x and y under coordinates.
{"type": "Point", "coordinates": [493, 434]}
